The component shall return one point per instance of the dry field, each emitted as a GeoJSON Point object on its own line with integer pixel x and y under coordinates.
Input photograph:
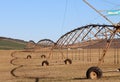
{"type": "Point", "coordinates": [17, 68]}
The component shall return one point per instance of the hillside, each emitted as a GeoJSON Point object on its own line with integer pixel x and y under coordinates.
{"type": "Point", "coordinates": [11, 44]}
{"type": "Point", "coordinates": [95, 44]}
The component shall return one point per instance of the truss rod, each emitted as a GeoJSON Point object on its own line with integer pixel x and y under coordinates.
{"type": "Point", "coordinates": [61, 40]}
{"type": "Point", "coordinates": [66, 39]}
{"type": "Point", "coordinates": [109, 41]}
{"type": "Point", "coordinates": [78, 36]}
{"type": "Point", "coordinates": [72, 37]}
{"type": "Point", "coordinates": [86, 34]}
{"type": "Point", "coordinates": [98, 12]}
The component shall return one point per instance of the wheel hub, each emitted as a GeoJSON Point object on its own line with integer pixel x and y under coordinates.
{"type": "Point", "coordinates": [93, 75]}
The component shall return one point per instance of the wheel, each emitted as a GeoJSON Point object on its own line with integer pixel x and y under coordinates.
{"type": "Point", "coordinates": [43, 56]}
{"type": "Point", "coordinates": [29, 57]}
{"type": "Point", "coordinates": [119, 69]}
{"type": "Point", "coordinates": [94, 73]}
{"type": "Point", "coordinates": [45, 63]}
{"type": "Point", "coordinates": [68, 61]}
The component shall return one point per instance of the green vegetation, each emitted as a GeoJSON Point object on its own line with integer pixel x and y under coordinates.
{"type": "Point", "coordinates": [11, 45]}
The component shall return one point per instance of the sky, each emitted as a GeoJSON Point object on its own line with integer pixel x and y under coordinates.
{"type": "Point", "coordinates": [50, 19]}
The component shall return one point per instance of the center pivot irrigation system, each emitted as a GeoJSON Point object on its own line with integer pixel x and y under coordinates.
{"type": "Point", "coordinates": [95, 72]}
{"type": "Point", "coordinates": [80, 44]}
{"type": "Point", "coordinates": [85, 38]}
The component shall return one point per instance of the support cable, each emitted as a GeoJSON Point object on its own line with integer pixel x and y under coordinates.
{"type": "Point", "coordinates": [64, 16]}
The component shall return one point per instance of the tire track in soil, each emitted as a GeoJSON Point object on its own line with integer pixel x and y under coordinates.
{"type": "Point", "coordinates": [18, 67]}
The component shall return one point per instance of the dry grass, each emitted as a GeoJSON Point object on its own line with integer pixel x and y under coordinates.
{"type": "Point", "coordinates": [32, 71]}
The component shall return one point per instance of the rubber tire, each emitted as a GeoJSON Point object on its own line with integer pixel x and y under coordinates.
{"type": "Point", "coordinates": [68, 61]}
{"type": "Point", "coordinates": [43, 56]}
{"type": "Point", "coordinates": [119, 69]}
{"type": "Point", "coordinates": [45, 63]}
{"type": "Point", "coordinates": [29, 57]}
{"type": "Point", "coordinates": [95, 70]}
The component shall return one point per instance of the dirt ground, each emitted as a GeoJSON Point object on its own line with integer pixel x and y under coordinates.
{"type": "Point", "coordinates": [17, 68]}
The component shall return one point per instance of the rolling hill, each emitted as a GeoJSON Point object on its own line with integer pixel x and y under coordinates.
{"type": "Point", "coordinates": [11, 44]}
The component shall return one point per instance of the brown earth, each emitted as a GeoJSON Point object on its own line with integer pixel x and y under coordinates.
{"type": "Point", "coordinates": [17, 68]}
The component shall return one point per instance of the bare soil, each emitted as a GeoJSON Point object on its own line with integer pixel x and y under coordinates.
{"type": "Point", "coordinates": [17, 68]}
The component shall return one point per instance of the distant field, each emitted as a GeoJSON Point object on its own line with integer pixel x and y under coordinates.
{"type": "Point", "coordinates": [30, 70]}
{"type": "Point", "coordinates": [11, 45]}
